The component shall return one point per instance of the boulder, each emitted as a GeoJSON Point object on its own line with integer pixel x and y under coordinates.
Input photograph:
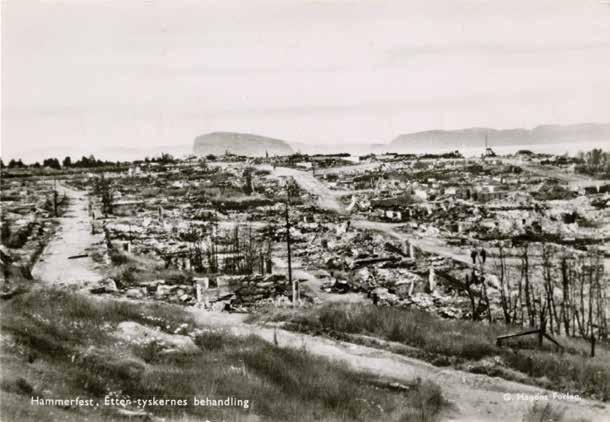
{"type": "Point", "coordinates": [186, 288]}
{"type": "Point", "coordinates": [382, 295]}
{"type": "Point", "coordinates": [136, 293]}
{"type": "Point", "coordinates": [219, 306]}
{"type": "Point", "coordinates": [131, 331]}
{"type": "Point", "coordinates": [422, 300]}
{"type": "Point", "coordinates": [163, 291]}
{"type": "Point", "coordinates": [151, 285]}
{"type": "Point", "coordinates": [333, 263]}
{"type": "Point", "coordinates": [492, 281]}
{"type": "Point", "coordinates": [403, 289]}
{"type": "Point", "coordinates": [363, 275]}
{"type": "Point", "coordinates": [380, 291]}
{"type": "Point", "coordinates": [341, 285]}
{"type": "Point", "coordinates": [203, 282]}
{"type": "Point", "coordinates": [109, 285]}
{"type": "Point", "coordinates": [450, 312]}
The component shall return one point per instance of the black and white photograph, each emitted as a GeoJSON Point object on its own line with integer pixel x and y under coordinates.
{"type": "Point", "coordinates": [305, 210]}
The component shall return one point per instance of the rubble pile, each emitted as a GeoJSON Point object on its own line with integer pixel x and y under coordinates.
{"type": "Point", "coordinates": [388, 272]}
{"type": "Point", "coordinates": [230, 293]}
{"type": "Point", "coordinates": [259, 290]}
{"type": "Point", "coordinates": [28, 220]}
{"type": "Point", "coordinates": [443, 305]}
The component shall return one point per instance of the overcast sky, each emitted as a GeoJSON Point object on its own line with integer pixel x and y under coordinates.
{"type": "Point", "coordinates": [135, 72]}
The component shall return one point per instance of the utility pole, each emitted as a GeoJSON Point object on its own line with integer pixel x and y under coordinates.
{"type": "Point", "coordinates": [294, 292]}
{"type": "Point", "coordinates": [292, 284]}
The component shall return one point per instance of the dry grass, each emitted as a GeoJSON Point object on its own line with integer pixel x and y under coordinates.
{"type": "Point", "coordinates": [543, 413]}
{"type": "Point", "coordinates": [455, 342]}
{"type": "Point", "coordinates": [548, 413]}
{"type": "Point", "coordinates": [60, 344]}
{"type": "Point", "coordinates": [128, 270]}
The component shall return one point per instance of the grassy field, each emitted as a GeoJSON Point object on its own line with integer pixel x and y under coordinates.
{"type": "Point", "coordinates": [57, 344]}
{"type": "Point", "coordinates": [463, 344]}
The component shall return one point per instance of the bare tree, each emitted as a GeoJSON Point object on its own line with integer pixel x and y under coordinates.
{"type": "Point", "coordinates": [527, 291]}
{"type": "Point", "coordinates": [505, 287]}
{"type": "Point", "coordinates": [548, 258]}
{"type": "Point", "coordinates": [566, 299]}
{"type": "Point", "coordinates": [484, 296]}
{"type": "Point", "coordinates": [579, 307]}
{"type": "Point", "coordinates": [104, 189]}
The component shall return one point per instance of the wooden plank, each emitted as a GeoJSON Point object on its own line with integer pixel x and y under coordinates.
{"type": "Point", "coordinates": [524, 333]}
{"type": "Point", "coordinates": [554, 341]}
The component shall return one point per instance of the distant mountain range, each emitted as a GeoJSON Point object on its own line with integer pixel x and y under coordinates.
{"type": "Point", "coordinates": [477, 136]}
{"type": "Point", "coordinates": [427, 141]}
{"type": "Point", "coordinates": [470, 140]}
{"type": "Point", "coordinates": [218, 143]}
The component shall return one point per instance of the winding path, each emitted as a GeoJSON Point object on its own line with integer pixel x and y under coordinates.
{"type": "Point", "coordinates": [326, 198]}
{"type": "Point", "coordinates": [73, 237]}
{"type": "Point", "coordinates": [474, 398]}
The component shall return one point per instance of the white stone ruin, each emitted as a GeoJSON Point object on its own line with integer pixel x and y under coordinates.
{"type": "Point", "coordinates": [431, 280]}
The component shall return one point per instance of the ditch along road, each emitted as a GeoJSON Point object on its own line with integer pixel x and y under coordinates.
{"type": "Point", "coordinates": [474, 398]}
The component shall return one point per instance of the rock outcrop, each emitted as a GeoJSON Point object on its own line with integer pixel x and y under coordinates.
{"type": "Point", "coordinates": [219, 143]}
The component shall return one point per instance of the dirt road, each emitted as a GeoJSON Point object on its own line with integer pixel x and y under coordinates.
{"type": "Point", "coordinates": [427, 244]}
{"type": "Point", "coordinates": [73, 238]}
{"type": "Point", "coordinates": [474, 398]}
{"type": "Point", "coordinates": [355, 168]}
{"type": "Point", "coordinates": [329, 200]}
{"type": "Point", "coordinates": [326, 198]}
{"type": "Point", "coordinates": [574, 180]}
